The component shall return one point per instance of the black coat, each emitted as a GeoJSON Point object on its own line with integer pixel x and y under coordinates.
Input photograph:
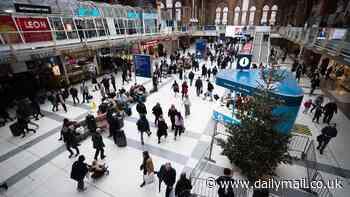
{"type": "Point", "coordinates": [191, 75]}
{"type": "Point", "coordinates": [330, 108]}
{"type": "Point", "coordinates": [141, 108]}
{"type": "Point", "coordinates": [183, 188]}
{"type": "Point", "coordinates": [172, 114]}
{"type": "Point", "coordinates": [329, 132]}
{"type": "Point", "coordinates": [79, 170]}
{"type": "Point", "coordinates": [199, 83]}
{"type": "Point", "coordinates": [143, 125]}
{"type": "Point", "coordinates": [168, 176]}
{"type": "Point", "coordinates": [97, 141]}
{"type": "Point", "coordinates": [222, 180]}
{"type": "Point", "coordinates": [69, 137]}
{"type": "Point", "coordinates": [157, 110]}
{"type": "Point", "coordinates": [210, 87]}
{"type": "Point", "coordinates": [162, 128]}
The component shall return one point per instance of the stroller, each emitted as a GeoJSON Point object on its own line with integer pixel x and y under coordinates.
{"type": "Point", "coordinates": [98, 170]}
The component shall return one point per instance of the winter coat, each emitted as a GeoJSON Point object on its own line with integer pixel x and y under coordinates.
{"type": "Point", "coordinates": [172, 114]}
{"type": "Point", "coordinates": [329, 132]}
{"type": "Point", "coordinates": [225, 180]}
{"type": "Point", "coordinates": [79, 170]}
{"type": "Point", "coordinates": [191, 75]}
{"type": "Point", "coordinates": [210, 87]}
{"type": "Point", "coordinates": [69, 136]}
{"type": "Point", "coordinates": [168, 176]}
{"type": "Point", "coordinates": [157, 111]}
{"type": "Point", "coordinates": [143, 125]}
{"type": "Point", "coordinates": [97, 141]}
{"type": "Point", "coordinates": [199, 84]}
{"type": "Point", "coordinates": [147, 166]}
{"type": "Point", "coordinates": [162, 128]}
{"type": "Point", "coordinates": [141, 108]}
{"type": "Point", "coordinates": [179, 121]}
{"type": "Point", "coordinates": [330, 108]}
{"type": "Point", "coordinates": [183, 188]}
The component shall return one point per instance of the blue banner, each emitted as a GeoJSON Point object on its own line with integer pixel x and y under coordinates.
{"type": "Point", "coordinates": [209, 28]}
{"type": "Point", "coordinates": [143, 66]}
{"type": "Point", "coordinates": [133, 15]}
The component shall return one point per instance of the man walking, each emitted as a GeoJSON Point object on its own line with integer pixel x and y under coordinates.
{"type": "Point", "coordinates": [113, 82]}
{"type": "Point", "coordinates": [70, 140]}
{"type": "Point", "coordinates": [329, 110]}
{"type": "Point", "coordinates": [328, 132]}
{"type": "Point", "coordinates": [143, 126]}
{"type": "Point", "coordinates": [74, 92]}
{"type": "Point", "coordinates": [167, 174]}
{"type": "Point", "coordinates": [199, 86]}
{"type": "Point", "coordinates": [141, 108]}
{"type": "Point", "coordinates": [79, 171]}
{"type": "Point", "coordinates": [191, 77]}
{"type": "Point", "coordinates": [98, 144]}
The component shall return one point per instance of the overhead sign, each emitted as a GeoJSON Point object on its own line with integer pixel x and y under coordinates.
{"type": "Point", "coordinates": [232, 31]}
{"type": "Point", "coordinates": [133, 15]}
{"type": "Point", "coordinates": [143, 66]}
{"type": "Point", "coordinates": [29, 8]}
{"type": "Point", "coordinates": [88, 11]}
{"type": "Point", "coordinates": [244, 61]}
{"type": "Point", "coordinates": [33, 28]}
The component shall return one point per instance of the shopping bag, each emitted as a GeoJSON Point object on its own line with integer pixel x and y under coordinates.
{"type": "Point", "coordinates": [149, 178]}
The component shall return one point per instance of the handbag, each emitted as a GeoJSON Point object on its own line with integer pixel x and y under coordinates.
{"type": "Point", "coordinates": [148, 178]}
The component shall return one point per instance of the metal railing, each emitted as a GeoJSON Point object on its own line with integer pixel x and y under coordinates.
{"type": "Point", "coordinates": [202, 189]}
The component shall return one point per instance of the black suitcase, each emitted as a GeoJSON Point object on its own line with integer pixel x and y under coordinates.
{"type": "Point", "coordinates": [120, 139]}
{"type": "Point", "coordinates": [16, 129]}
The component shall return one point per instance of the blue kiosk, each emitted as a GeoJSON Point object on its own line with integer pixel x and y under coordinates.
{"type": "Point", "coordinates": [247, 82]}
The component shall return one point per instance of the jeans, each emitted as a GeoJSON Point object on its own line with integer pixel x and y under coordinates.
{"type": "Point", "coordinates": [187, 110]}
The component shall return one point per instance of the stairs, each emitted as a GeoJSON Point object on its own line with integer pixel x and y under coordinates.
{"type": "Point", "coordinates": [261, 49]}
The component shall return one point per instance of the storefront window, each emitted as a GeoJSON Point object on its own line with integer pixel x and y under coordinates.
{"type": "Point", "coordinates": [70, 28]}
{"type": "Point", "coordinates": [131, 27]}
{"type": "Point", "coordinates": [57, 26]}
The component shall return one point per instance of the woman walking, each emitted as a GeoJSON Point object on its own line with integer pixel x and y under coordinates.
{"type": "Point", "coordinates": [162, 128]}
{"type": "Point", "coordinates": [175, 88]}
{"type": "Point", "coordinates": [79, 171]}
{"type": "Point", "coordinates": [179, 124]}
{"type": "Point", "coordinates": [187, 104]}
{"type": "Point", "coordinates": [183, 186]}
{"type": "Point", "coordinates": [148, 168]}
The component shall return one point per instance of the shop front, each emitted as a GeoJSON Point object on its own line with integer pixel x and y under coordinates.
{"type": "Point", "coordinates": [80, 65]}
{"type": "Point", "coordinates": [336, 71]}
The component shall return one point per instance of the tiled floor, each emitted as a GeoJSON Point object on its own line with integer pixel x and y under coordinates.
{"type": "Point", "coordinates": [38, 165]}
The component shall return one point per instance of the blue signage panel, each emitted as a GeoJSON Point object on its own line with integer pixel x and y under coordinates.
{"type": "Point", "coordinates": [133, 15]}
{"type": "Point", "coordinates": [83, 11]}
{"type": "Point", "coordinates": [143, 66]}
{"type": "Point", "coordinates": [210, 28]}
{"type": "Point", "coordinates": [150, 16]}
{"type": "Point", "coordinates": [244, 61]}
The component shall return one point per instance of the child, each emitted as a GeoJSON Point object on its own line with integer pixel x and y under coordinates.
{"type": "Point", "coordinates": [307, 105]}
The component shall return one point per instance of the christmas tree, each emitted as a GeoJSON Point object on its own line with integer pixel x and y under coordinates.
{"type": "Point", "coordinates": [255, 146]}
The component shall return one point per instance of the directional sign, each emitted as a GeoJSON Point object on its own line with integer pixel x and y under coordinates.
{"type": "Point", "coordinates": [243, 61]}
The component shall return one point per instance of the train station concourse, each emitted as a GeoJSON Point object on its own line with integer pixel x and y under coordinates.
{"type": "Point", "coordinates": [174, 98]}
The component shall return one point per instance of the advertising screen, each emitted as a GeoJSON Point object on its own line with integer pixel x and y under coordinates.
{"type": "Point", "coordinates": [143, 66]}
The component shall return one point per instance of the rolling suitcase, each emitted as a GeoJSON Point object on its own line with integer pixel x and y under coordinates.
{"type": "Point", "coordinates": [119, 138]}
{"type": "Point", "coordinates": [16, 129]}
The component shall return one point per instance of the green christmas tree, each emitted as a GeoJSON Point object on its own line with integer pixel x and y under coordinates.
{"type": "Point", "coordinates": [255, 146]}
